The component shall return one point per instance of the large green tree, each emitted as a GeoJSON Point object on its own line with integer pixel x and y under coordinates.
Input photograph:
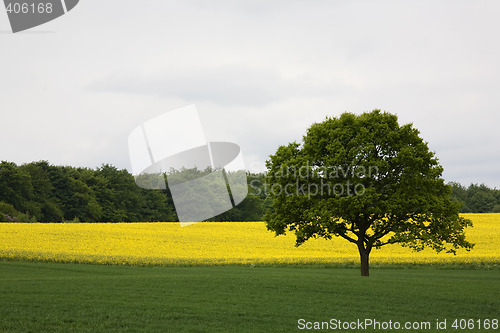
{"type": "Point", "coordinates": [368, 180]}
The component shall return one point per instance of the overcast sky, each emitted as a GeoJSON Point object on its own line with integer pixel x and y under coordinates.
{"type": "Point", "coordinates": [259, 72]}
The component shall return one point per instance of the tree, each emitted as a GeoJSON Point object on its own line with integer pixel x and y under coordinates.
{"type": "Point", "coordinates": [252, 207]}
{"type": "Point", "coordinates": [368, 180]}
{"type": "Point", "coordinates": [15, 187]}
{"type": "Point", "coordinates": [77, 199]}
{"type": "Point", "coordinates": [157, 206]}
{"type": "Point", "coordinates": [481, 198]}
{"type": "Point", "coordinates": [46, 207]}
{"type": "Point", "coordinates": [459, 193]}
{"type": "Point", "coordinates": [117, 194]}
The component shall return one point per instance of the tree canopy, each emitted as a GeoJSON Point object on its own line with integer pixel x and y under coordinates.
{"type": "Point", "coordinates": [42, 192]}
{"type": "Point", "coordinates": [368, 180]}
{"type": "Point", "coordinates": [476, 198]}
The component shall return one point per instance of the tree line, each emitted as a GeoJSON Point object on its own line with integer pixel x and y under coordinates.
{"type": "Point", "coordinates": [476, 198]}
{"type": "Point", "coordinates": [41, 192]}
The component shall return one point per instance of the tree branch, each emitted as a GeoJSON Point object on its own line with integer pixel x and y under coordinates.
{"type": "Point", "coordinates": [382, 244]}
{"type": "Point", "coordinates": [350, 239]}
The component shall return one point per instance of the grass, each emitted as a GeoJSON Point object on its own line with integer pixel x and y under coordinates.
{"type": "Point", "coordinates": [51, 297]}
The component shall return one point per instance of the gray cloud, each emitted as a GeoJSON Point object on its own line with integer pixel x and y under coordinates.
{"type": "Point", "coordinates": [232, 85]}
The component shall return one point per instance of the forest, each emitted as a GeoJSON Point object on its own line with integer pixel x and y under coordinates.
{"type": "Point", "coordinates": [41, 192]}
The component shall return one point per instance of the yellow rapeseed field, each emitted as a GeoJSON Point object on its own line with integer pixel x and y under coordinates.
{"type": "Point", "coordinates": [215, 243]}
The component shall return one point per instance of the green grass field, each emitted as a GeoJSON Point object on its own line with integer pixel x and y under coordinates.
{"type": "Point", "coordinates": [47, 297]}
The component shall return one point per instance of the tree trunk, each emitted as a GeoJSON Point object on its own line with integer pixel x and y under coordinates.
{"type": "Point", "coordinates": [364, 255]}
